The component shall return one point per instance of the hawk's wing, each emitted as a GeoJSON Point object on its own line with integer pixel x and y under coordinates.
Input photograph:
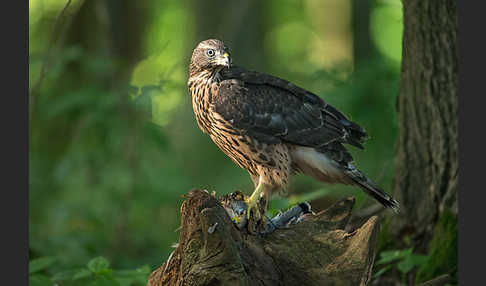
{"type": "Point", "coordinates": [274, 110]}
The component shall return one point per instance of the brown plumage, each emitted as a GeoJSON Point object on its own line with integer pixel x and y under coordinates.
{"type": "Point", "coordinates": [272, 128]}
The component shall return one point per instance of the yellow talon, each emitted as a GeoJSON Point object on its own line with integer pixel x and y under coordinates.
{"type": "Point", "coordinates": [252, 202]}
{"type": "Point", "coordinates": [253, 205]}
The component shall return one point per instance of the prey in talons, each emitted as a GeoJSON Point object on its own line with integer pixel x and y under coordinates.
{"type": "Point", "coordinates": [241, 214]}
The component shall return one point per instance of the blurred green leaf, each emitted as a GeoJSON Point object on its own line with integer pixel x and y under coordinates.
{"type": "Point", "coordinates": [40, 280]}
{"type": "Point", "coordinates": [386, 28]}
{"type": "Point", "coordinates": [98, 264]}
{"type": "Point", "coordinates": [419, 259]}
{"type": "Point", "coordinates": [389, 256]}
{"type": "Point", "coordinates": [382, 270]}
{"type": "Point", "coordinates": [405, 266]}
{"type": "Point", "coordinates": [42, 263]}
{"type": "Point", "coordinates": [104, 280]}
{"type": "Point", "coordinates": [82, 273]}
{"type": "Point", "coordinates": [411, 261]}
{"type": "Point", "coordinates": [406, 259]}
{"type": "Point", "coordinates": [63, 275]}
{"type": "Point", "coordinates": [144, 270]}
{"type": "Point", "coordinates": [156, 133]}
{"type": "Point", "coordinates": [129, 277]}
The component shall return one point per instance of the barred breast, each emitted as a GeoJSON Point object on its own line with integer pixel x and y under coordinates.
{"type": "Point", "coordinates": [270, 163]}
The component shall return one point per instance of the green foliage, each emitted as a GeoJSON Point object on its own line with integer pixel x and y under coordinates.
{"type": "Point", "coordinates": [442, 249]}
{"type": "Point", "coordinates": [96, 272]}
{"type": "Point", "coordinates": [385, 238]}
{"type": "Point", "coordinates": [114, 145]}
{"type": "Point", "coordinates": [441, 258]}
{"type": "Point", "coordinates": [40, 263]}
{"type": "Point", "coordinates": [403, 260]}
{"type": "Point", "coordinates": [98, 264]}
{"type": "Point", "coordinates": [387, 26]}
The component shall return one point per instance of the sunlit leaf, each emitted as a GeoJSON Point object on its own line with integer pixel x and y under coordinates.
{"type": "Point", "coordinates": [386, 28]}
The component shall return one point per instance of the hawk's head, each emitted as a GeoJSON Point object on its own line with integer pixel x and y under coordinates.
{"type": "Point", "coordinates": [210, 55]}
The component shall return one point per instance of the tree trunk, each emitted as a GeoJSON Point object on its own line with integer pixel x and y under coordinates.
{"type": "Point", "coordinates": [426, 173]}
{"type": "Point", "coordinates": [317, 251]}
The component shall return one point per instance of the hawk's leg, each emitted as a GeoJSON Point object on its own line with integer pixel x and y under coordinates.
{"type": "Point", "coordinates": [254, 199]}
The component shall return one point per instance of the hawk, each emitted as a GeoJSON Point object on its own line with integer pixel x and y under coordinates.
{"type": "Point", "coordinates": [273, 128]}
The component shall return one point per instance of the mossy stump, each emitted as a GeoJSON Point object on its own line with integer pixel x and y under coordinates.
{"type": "Point", "coordinates": [317, 251]}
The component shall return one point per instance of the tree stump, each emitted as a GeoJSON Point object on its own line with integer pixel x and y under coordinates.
{"type": "Point", "coordinates": [316, 251]}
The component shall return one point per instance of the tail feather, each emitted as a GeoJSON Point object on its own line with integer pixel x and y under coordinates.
{"type": "Point", "coordinates": [322, 167]}
{"type": "Point", "coordinates": [372, 189]}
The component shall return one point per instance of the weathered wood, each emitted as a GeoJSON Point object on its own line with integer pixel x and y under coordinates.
{"type": "Point", "coordinates": [317, 251]}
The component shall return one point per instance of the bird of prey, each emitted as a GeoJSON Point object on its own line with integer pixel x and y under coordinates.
{"type": "Point", "coordinates": [273, 128]}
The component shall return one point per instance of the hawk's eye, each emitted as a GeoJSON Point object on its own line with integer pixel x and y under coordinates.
{"type": "Point", "coordinates": [210, 53]}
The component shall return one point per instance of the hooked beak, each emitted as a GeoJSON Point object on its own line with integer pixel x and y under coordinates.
{"type": "Point", "coordinates": [224, 60]}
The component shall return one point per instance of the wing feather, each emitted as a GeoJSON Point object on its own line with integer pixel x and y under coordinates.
{"type": "Point", "coordinates": [269, 108]}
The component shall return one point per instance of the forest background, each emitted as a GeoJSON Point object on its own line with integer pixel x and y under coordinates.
{"type": "Point", "coordinates": [113, 140]}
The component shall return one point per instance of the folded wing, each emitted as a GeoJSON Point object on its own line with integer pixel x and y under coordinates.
{"type": "Point", "coordinates": [274, 110]}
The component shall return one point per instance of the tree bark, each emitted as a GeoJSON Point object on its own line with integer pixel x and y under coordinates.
{"type": "Point", "coordinates": [426, 174]}
{"type": "Point", "coordinates": [317, 251]}
{"type": "Point", "coordinates": [427, 163]}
